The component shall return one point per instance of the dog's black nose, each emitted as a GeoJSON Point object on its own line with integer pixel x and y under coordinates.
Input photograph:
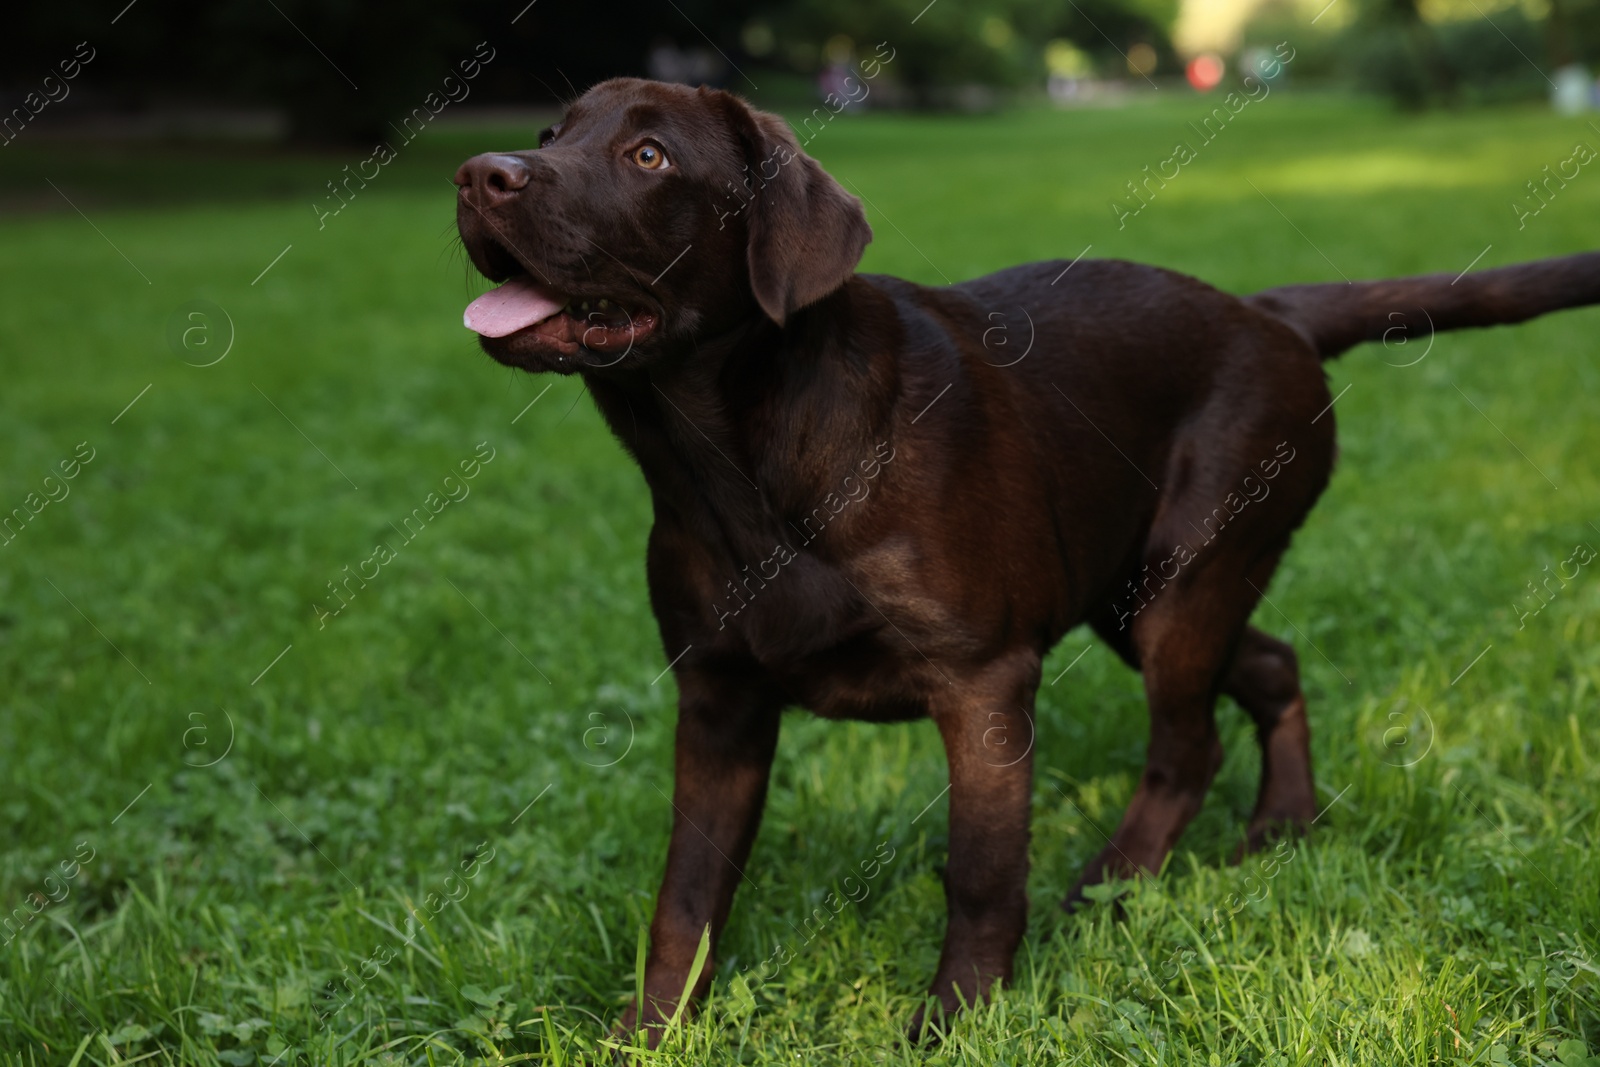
{"type": "Point", "coordinates": [492, 179]}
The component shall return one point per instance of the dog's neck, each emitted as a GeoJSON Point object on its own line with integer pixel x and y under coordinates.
{"type": "Point", "coordinates": [744, 434]}
{"type": "Point", "coordinates": [787, 411]}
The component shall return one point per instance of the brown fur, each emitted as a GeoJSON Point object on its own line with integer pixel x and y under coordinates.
{"type": "Point", "coordinates": [1007, 502]}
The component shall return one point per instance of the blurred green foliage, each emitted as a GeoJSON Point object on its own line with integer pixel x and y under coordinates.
{"type": "Point", "coordinates": [347, 70]}
{"type": "Point", "coordinates": [1394, 49]}
{"type": "Point", "coordinates": [1000, 43]}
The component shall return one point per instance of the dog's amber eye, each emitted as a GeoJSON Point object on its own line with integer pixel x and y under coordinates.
{"type": "Point", "coordinates": [649, 156]}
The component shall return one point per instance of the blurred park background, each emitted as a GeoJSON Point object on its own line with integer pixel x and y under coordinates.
{"type": "Point", "coordinates": [310, 70]}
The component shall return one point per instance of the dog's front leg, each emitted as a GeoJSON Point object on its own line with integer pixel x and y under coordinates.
{"type": "Point", "coordinates": [727, 733]}
{"type": "Point", "coordinates": [986, 722]}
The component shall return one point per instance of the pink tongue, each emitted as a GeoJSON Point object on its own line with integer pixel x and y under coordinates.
{"type": "Point", "coordinates": [511, 307]}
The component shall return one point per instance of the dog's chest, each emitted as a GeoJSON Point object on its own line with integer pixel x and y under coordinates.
{"type": "Point", "coordinates": [855, 639]}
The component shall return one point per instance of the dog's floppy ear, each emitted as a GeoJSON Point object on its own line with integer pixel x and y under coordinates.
{"type": "Point", "coordinates": [806, 233]}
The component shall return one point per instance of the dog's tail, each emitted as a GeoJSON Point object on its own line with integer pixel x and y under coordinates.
{"type": "Point", "coordinates": [1335, 317]}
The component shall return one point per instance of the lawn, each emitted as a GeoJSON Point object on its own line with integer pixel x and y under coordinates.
{"type": "Point", "coordinates": [429, 828]}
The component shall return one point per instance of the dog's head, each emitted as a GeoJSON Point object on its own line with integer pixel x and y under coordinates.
{"type": "Point", "coordinates": [649, 215]}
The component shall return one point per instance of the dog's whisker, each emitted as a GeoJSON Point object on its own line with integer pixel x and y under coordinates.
{"type": "Point", "coordinates": [575, 93]}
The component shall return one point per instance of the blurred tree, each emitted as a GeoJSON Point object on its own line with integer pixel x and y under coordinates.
{"type": "Point", "coordinates": [345, 69]}
{"type": "Point", "coordinates": [1574, 32]}
{"type": "Point", "coordinates": [1394, 51]}
{"type": "Point", "coordinates": [1439, 51]}
{"type": "Point", "coordinates": [348, 69]}
{"type": "Point", "coordinates": [1458, 53]}
{"type": "Point", "coordinates": [340, 69]}
{"type": "Point", "coordinates": [951, 43]}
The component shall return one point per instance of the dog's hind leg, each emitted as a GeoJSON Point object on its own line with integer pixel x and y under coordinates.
{"type": "Point", "coordinates": [1265, 680]}
{"type": "Point", "coordinates": [1213, 544]}
{"type": "Point", "coordinates": [1186, 639]}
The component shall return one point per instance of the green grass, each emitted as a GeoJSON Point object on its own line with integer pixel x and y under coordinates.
{"type": "Point", "coordinates": [1443, 912]}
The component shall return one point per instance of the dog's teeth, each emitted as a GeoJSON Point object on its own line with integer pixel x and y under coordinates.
{"type": "Point", "coordinates": [604, 304]}
{"type": "Point", "coordinates": [584, 307]}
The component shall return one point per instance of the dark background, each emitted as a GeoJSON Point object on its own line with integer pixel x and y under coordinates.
{"type": "Point", "coordinates": [252, 52]}
{"type": "Point", "coordinates": [300, 57]}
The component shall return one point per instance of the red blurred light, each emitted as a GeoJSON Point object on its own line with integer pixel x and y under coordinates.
{"type": "Point", "coordinates": [1205, 71]}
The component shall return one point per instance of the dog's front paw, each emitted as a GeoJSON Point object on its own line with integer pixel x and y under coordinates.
{"type": "Point", "coordinates": [956, 988]}
{"type": "Point", "coordinates": [645, 1029]}
{"type": "Point", "coordinates": [930, 1023]}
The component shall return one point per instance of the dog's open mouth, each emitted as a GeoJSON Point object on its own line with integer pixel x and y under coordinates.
{"type": "Point", "coordinates": [522, 310]}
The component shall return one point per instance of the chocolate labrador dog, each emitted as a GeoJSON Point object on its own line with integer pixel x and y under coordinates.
{"type": "Point", "coordinates": [865, 508]}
